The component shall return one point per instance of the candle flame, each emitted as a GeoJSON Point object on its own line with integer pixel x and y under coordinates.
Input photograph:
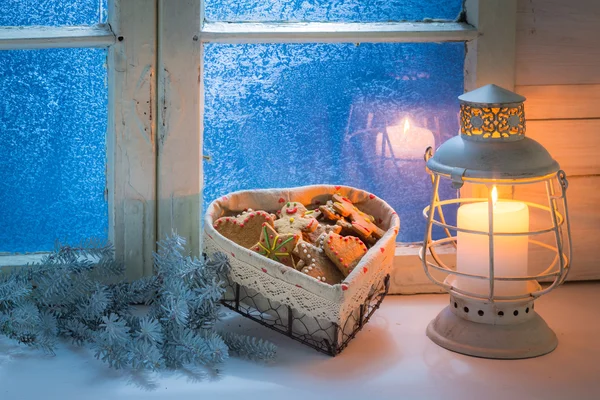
{"type": "Point", "coordinates": [406, 125]}
{"type": "Point", "coordinates": [494, 196]}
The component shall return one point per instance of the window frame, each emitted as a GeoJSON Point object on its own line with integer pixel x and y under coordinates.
{"type": "Point", "coordinates": [489, 33]}
{"type": "Point", "coordinates": [156, 100]}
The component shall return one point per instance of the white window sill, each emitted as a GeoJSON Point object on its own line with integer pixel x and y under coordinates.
{"type": "Point", "coordinates": [17, 260]}
{"type": "Point", "coordinates": [391, 358]}
{"type": "Point", "coordinates": [408, 276]}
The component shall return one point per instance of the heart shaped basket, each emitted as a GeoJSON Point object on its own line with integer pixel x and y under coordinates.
{"type": "Point", "coordinates": [325, 317]}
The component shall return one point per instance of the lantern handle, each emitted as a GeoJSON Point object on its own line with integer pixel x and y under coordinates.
{"type": "Point", "coordinates": [428, 153]}
{"type": "Point", "coordinates": [562, 179]}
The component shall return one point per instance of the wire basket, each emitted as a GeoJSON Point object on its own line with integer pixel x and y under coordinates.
{"type": "Point", "coordinates": [322, 316]}
{"type": "Point", "coordinates": [324, 336]}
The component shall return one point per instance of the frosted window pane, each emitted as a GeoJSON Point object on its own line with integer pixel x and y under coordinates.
{"type": "Point", "coordinates": [53, 119]}
{"type": "Point", "coordinates": [331, 10]}
{"type": "Point", "coordinates": [52, 12]}
{"type": "Point", "coordinates": [282, 115]}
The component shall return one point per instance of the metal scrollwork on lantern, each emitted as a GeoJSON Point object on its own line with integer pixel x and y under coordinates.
{"type": "Point", "coordinates": [492, 286]}
{"type": "Point", "coordinates": [503, 122]}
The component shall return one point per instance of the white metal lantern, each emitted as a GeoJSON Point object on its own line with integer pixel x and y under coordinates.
{"type": "Point", "coordinates": [492, 286]}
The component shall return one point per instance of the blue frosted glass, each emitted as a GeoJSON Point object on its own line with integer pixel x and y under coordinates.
{"type": "Point", "coordinates": [53, 119]}
{"type": "Point", "coordinates": [52, 12]}
{"type": "Point", "coordinates": [103, 11]}
{"type": "Point", "coordinates": [332, 10]}
{"type": "Point", "coordinates": [283, 115]}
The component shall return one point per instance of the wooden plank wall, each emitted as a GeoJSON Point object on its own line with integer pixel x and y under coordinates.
{"type": "Point", "coordinates": [558, 70]}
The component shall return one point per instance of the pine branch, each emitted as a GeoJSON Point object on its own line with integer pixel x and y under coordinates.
{"type": "Point", "coordinates": [72, 294]}
{"type": "Point", "coordinates": [12, 290]}
{"type": "Point", "coordinates": [249, 347]}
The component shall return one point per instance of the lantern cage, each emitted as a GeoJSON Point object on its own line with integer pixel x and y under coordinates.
{"type": "Point", "coordinates": [491, 313]}
{"type": "Point", "coordinates": [557, 212]}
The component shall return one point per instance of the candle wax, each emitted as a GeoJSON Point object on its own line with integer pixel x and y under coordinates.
{"type": "Point", "coordinates": [510, 252]}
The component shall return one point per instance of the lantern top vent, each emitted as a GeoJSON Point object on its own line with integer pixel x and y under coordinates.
{"type": "Point", "coordinates": [492, 113]}
{"type": "Point", "coordinates": [492, 143]}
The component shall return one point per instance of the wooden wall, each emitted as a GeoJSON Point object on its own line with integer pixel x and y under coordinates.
{"type": "Point", "coordinates": [558, 70]}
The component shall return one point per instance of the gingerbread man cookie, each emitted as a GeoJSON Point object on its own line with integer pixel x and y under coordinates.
{"type": "Point", "coordinates": [345, 252]}
{"type": "Point", "coordinates": [244, 229]}
{"type": "Point", "coordinates": [315, 263]}
{"type": "Point", "coordinates": [362, 223]}
{"type": "Point", "coordinates": [276, 246]}
{"type": "Point", "coordinates": [293, 221]}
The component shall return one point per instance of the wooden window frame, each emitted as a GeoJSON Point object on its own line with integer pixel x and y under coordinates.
{"type": "Point", "coordinates": [155, 75]}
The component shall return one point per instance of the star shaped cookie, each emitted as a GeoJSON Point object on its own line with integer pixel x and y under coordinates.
{"type": "Point", "coordinates": [276, 246]}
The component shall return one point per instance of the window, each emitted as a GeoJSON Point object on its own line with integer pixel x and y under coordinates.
{"type": "Point", "coordinates": [289, 60]}
{"type": "Point", "coordinates": [52, 12]}
{"type": "Point", "coordinates": [77, 157]}
{"type": "Point", "coordinates": [311, 99]}
{"type": "Point", "coordinates": [331, 11]}
{"type": "Point", "coordinates": [283, 115]}
{"type": "Point", "coordinates": [187, 81]}
{"type": "Point", "coordinates": [53, 122]}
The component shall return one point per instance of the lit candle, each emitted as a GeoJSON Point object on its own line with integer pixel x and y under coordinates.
{"type": "Point", "coordinates": [404, 141]}
{"type": "Point", "coordinates": [510, 252]}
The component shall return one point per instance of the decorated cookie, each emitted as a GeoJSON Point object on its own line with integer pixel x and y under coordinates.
{"type": "Point", "coordinates": [322, 228]}
{"type": "Point", "coordinates": [244, 214]}
{"type": "Point", "coordinates": [244, 229]}
{"type": "Point", "coordinates": [315, 263]}
{"type": "Point", "coordinates": [276, 246]}
{"type": "Point", "coordinates": [316, 214]}
{"type": "Point", "coordinates": [293, 221]}
{"type": "Point", "coordinates": [347, 229]}
{"type": "Point", "coordinates": [345, 252]}
{"type": "Point", "coordinates": [363, 224]}
{"type": "Point", "coordinates": [329, 212]}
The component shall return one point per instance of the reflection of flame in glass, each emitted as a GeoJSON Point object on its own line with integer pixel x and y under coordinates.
{"type": "Point", "coordinates": [404, 142]}
{"type": "Point", "coordinates": [494, 196]}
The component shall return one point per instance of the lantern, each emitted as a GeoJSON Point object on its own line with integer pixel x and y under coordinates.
{"type": "Point", "coordinates": [498, 242]}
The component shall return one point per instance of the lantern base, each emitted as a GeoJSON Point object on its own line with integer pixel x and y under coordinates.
{"type": "Point", "coordinates": [529, 339]}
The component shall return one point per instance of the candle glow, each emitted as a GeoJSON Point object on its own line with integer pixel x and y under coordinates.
{"type": "Point", "coordinates": [404, 141]}
{"type": "Point", "coordinates": [510, 252]}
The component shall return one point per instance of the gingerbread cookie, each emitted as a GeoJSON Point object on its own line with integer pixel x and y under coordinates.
{"type": "Point", "coordinates": [315, 263]}
{"type": "Point", "coordinates": [329, 212]}
{"type": "Point", "coordinates": [276, 246]}
{"type": "Point", "coordinates": [347, 229]}
{"type": "Point", "coordinates": [345, 252]}
{"type": "Point", "coordinates": [248, 211]}
{"type": "Point", "coordinates": [316, 214]}
{"type": "Point", "coordinates": [293, 221]}
{"type": "Point", "coordinates": [244, 229]}
{"type": "Point", "coordinates": [322, 228]}
{"type": "Point", "coordinates": [363, 224]}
